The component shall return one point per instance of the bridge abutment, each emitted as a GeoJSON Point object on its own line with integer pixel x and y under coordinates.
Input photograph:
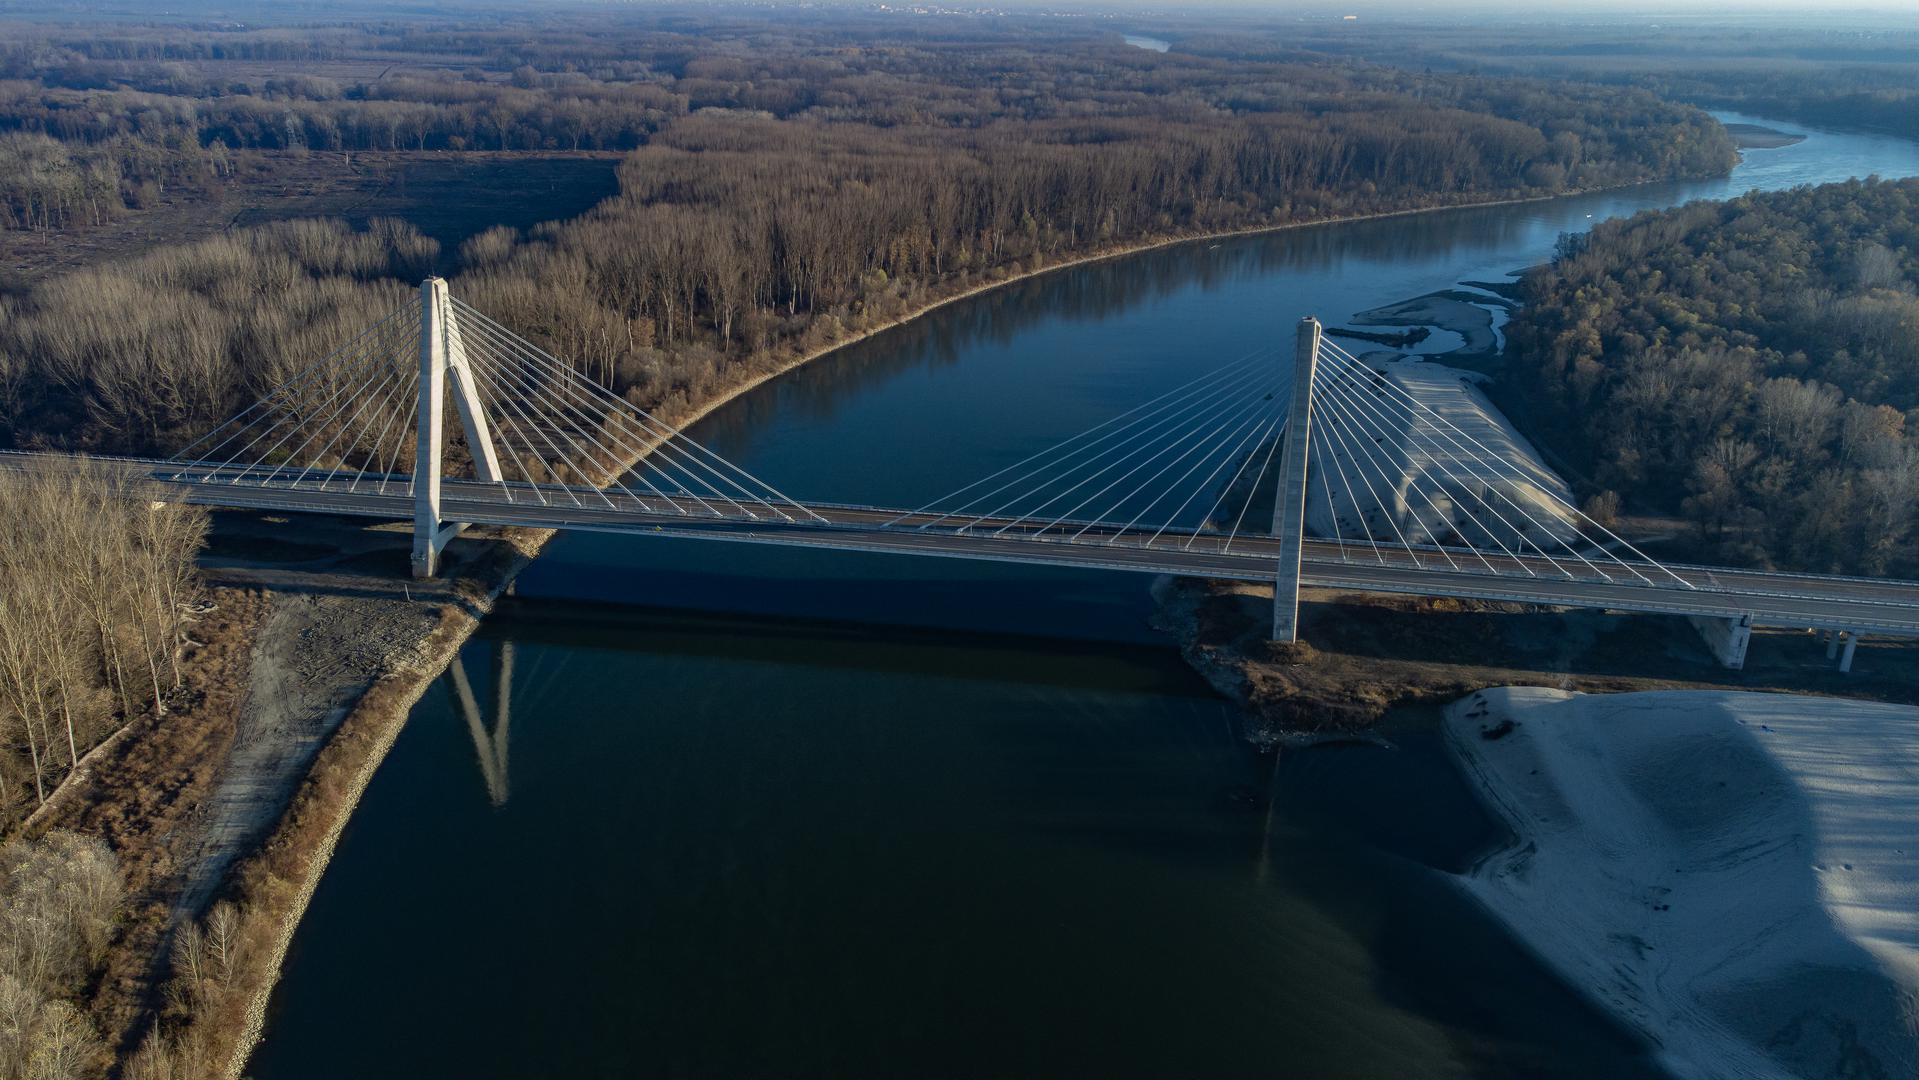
{"type": "Point", "coordinates": [1727, 638]}
{"type": "Point", "coordinates": [1289, 511]}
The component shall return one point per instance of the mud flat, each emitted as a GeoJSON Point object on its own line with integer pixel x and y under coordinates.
{"type": "Point", "coordinates": [1456, 310]}
{"type": "Point", "coordinates": [1756, 137]}
{"type": "Point", "coordinates": [1734, 874]}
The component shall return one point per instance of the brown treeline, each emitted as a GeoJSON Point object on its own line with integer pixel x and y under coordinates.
{"type": "Point", "coordinates": [60, 896]}
{"type": "Point", "coordinates": [98, 123]}
{"type": "Point", "coordinates": [750, 230]}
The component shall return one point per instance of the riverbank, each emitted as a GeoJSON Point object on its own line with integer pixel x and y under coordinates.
{"type": "Point", "coordinates": [1641, 821]}
{"type": "Point", "coordinates": [1360, 656]}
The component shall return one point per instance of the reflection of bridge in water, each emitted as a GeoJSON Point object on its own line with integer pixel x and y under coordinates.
{"type": "Point", "coordinates": [489, 746]}
{"type": "Point", "coordinates": [1212, 479]}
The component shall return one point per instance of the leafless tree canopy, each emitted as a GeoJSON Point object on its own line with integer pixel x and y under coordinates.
{"type": "Point", "coordinates": [787, 184]}
{"type": "Point", "coordinates": [97, 587]}
{"type": "Point", "coordinates": [1753, 365]}
{"type": "Point", "coordinates": [59, 898]}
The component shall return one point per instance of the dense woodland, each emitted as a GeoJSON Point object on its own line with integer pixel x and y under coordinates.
{"type": "Point", "coordinates": [1752, 364]}
{"type": "Point", "coordinates": [59, 898]}
{"type": "Point", "coordinates": [94, 123]}
{"type": "Point", "coordinates": [1830, 69]}
{"type": "Point", "coordinates": [793, 186]}
{"type": "Point", "coordinates": [97, 589]}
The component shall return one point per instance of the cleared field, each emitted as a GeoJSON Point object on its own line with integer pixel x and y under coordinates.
{"type": "Point", "coordinates": [447, 196]}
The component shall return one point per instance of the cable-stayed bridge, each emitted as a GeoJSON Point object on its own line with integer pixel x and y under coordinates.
{"type": "Point", "coordinates": [1305, 466]}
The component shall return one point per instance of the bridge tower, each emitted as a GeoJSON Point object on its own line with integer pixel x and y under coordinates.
{"type": "Point", "coordinates": [443, 364]}
{"type": "Point", "coordinates": [1289, 509]}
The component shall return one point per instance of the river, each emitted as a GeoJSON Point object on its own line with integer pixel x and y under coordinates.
{"type": "Point", "coordinates": [778, 812]}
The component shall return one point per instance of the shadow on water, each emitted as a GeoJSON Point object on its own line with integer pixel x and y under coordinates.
{"type": "Point", "coordinates": [855, 645]}
{"type": "Point", "coordinates": [826, 848]}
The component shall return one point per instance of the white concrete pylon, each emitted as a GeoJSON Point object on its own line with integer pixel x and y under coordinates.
{"type": "Point", "coordinates": [1289, 511]}
{"type": "Point", "coordinates": [444, 364]}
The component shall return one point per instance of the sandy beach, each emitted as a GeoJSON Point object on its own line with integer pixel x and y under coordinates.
{"type": "Point", "coordinates": [1736, 875]}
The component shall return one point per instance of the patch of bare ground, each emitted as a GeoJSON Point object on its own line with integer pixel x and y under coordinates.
{"type": "Point", "coordinates": [1360, 656]}
{"type": "Point", "coordinates": [448, 196]}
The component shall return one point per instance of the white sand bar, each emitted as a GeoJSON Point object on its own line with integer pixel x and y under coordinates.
{"type": "Point", "coordinates": [1736, 875]}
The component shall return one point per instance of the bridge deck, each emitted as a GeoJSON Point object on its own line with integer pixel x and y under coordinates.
{"type": "Point", "coordinates": [1774, 599]}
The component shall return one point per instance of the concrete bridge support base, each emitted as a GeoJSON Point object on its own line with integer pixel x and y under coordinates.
{"type": "Point", "coordinates": [1727, 638]}
{"type": "Point", "coordinates": [429, 542]}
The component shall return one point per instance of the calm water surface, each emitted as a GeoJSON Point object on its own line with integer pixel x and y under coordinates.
{"type": "Point", "coordinates": [790, 813]}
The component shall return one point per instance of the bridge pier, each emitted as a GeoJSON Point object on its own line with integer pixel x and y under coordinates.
{"type": "Point", "coordinates": [1727, 638]}
{"type": "Point", "coordinates": [1845, 659]}
{"type": "Point", "coordinates": [443, 364]}
{"type": "Point", "coordinates": [1289, 511]}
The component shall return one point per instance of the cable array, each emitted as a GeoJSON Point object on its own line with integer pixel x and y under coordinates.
{"type": "Point", "coordinates": [1409, 474]}
{"type": "Point", "coordinates": [348, 423]}
{"type": "Point", "coordinates": [345, 418]}
{"type": "Point", "coordinates": [1391, 479]}
{"type": "Point", "coordinates": [1147, 476]}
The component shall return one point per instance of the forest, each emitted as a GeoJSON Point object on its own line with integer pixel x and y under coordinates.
{"type": "Point", "coordinates": [1752, 365]}
{"type": "Point", "coordinates": [1848, 71]}
{"type": "Point", "coordinates": [791, 187]}
{"type": "Point", "coordinates": [98, 584]}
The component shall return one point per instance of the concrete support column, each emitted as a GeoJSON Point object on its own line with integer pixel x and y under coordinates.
{"type": "Point", "coordinates": [1832, 644]}
{"type": "Point", "coordinates": [1845, 659]}
{"type": "Point", "coordinates": [466, 398]}
{"type": "Point", "coordinates": [430, 436]}
{"type": "Point", "coordinates": [1727, 638]}
{"type": "Point", "coordinates": [1289, 511]}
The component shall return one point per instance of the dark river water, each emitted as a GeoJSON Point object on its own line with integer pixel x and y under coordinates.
{"type": "Point", "coordinates": [763, 812]}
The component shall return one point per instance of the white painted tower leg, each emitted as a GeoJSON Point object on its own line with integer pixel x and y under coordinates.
{"type": "Point", "coordinates": [428, 428]}
{"type": "Point", "coordinates": [1289, 512]}
{"type": "Point", "coordinates": [443, 363]}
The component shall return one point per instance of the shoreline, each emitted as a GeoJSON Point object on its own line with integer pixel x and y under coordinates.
{"type": "Point", "coordinates": [1748, 807]}
{"type": "Point", "coordinates": [726, 397]}
{"type": "Point", "coordinates": [371, 726]}
{"type": "Point", "coordinates": [359, 743]}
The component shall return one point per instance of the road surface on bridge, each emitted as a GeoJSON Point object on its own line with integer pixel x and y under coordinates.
{"type": "Point", "coordinates": [1860, 605]}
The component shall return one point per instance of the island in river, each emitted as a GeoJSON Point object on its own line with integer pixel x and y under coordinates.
{"type": "Point", "coordinates": [1759, 137]}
